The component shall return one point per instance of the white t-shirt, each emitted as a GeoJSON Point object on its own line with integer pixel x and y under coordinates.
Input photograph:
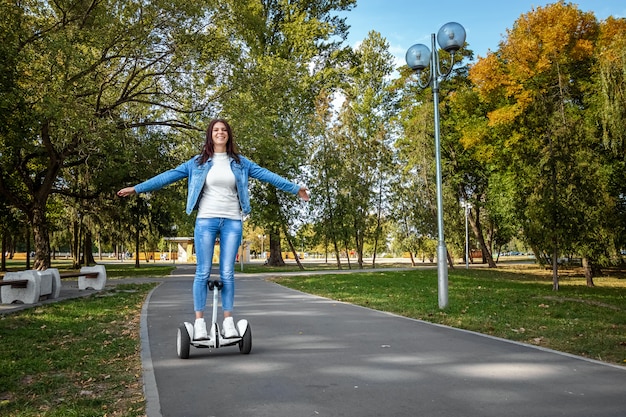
{"type": "Point", "coordinates": [219, 195]}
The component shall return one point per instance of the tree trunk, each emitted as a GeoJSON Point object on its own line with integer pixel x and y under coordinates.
{"type": "Point", "coordinates": [450, 261]}
{"type": "Point", "coordinates": [137, 233]}
{"type": "Point", "coordinates": [331, 220]}
{"type": "Point", "coordinates": [347, 253]}
{"type": "Point", "coordinates": [555, 219]}
{"type": "Point", "coordinates": [41, 237]}
{"type": "Point", "coordinates": [11, 247]}
{"type": "Point", "coordinates": [99, 246]}
{"type": "Point", "coordinates": [336, 246]}
{"type": "Point", "coordinates": [293, 249]}
{"type": "Point", "coordinates": [75, 244]}
{"type": "Point", "coordinates": [358, 238]}
{"type": "Point", "coordinates": [478, 234]}
{"type": "Point", "coordinates": [88, 254]}
{"type": "Point", "coordinates": [539, 255]}
{"type": "Point", "coordinates": [374, 253]}
{"type": "Point", "coordinates": [276, 255]}
{"type": "Point", "coordinates": [379, 215]}
{"type": "Point", "coordinates": [589, 271]}
{"type": "Point", "coordinates": [3, 267]}
{"type": "Point", "coordinates": [555, 267]}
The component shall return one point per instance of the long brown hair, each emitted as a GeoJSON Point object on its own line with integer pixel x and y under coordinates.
{"type": "Point", "coordinates": [208, 148]}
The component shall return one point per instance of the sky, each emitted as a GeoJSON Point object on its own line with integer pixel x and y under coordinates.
{"type": "Point", "coordinates": [406, 22]}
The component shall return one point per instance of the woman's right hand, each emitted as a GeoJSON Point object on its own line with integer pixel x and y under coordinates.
{"type": "Point", "coordinates": [304, 193]}
{"type": "Point", "coordinates": [124, 192]}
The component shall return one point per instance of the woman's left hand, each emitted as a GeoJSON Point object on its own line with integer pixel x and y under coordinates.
{"type": "Point", "coordinates": [304, 194]}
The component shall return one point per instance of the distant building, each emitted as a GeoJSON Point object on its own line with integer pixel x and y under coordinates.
{"type": "Point", "coordinates": [185, 251]}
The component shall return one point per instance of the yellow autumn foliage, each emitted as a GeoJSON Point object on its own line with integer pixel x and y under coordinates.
{"type": "Point", "coordinates": [486, 74]}
{"type": "Point", "coordinates": [503, 115]}
{"type": "Point", "coordinates": [473, 135]}
{"type": "Point", "coordinates": [611, 42]}
{"type": "Point", "coordinates": [539, 44]}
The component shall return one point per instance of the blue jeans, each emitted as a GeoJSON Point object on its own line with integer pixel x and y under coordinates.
{"type": "Point", "coordinates": [205, 233]}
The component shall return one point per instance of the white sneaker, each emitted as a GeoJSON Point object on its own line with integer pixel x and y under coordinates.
{"type": "Point", "coordinates": [199, 330]}
{"type": "Point", "coordinates": [230, 331]}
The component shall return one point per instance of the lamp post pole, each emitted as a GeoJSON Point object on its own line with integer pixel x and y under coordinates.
{"type": "Point", "coordinates": [442, 252]}
{"type": "Point", "coordinates": [451, 38]}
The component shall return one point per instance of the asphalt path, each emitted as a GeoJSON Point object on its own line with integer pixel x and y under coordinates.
{"type": "Point", "coordinates": [313, 356]}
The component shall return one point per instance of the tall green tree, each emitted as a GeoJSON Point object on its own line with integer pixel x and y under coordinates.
{"type": "Point", "coordinates": [327, 173]}
{"type": "Point", "coordinates": [364, 137]}
{"type": "Point", "coordinates": [286, 50]}
{"type": "Point", "coordinates": [470, 174]}
{"type": "Point", "coordinates": [78, 75]}
{"type": "Point", "coordinates": [609, 105]}
{"type": "Point", "coordinates": [538, 85]}
{"type": "Point", "coordinates": [414, 207]}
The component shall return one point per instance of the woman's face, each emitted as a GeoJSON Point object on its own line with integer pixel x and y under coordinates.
{"type": "Point", "coordinates": [219, 134]}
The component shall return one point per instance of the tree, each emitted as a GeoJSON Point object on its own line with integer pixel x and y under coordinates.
{"type": "Point", "coordinates": [328, 172]}
{"type": "Point", "coordinates": [363, 137]}
{"type": "Point", "coordinates": [536, 84]}
{"type": "Point", "coordinates": [609, 106]}
{"type": "Point", "coordinates": [469, 174]}
{"type": "Point", "coordinates": [414, 202]}
{"type": "Point", "coordinates": [285, 50]}
{"type": "Point", "coordinates": [9, 228]}
{"type": "Point", "coordinates": [78, 75]}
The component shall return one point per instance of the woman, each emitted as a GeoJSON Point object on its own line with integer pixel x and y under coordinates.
{"type": "Point", "coordinates": [218, 189]}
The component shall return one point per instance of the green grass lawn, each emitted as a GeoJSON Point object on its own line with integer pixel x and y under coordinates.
{"type": "Point", "coordinates": [128, 270]}
{"type": "Point", "coordinates": [79, 357]}
{"type": "Point", "coordinates": [517, 305]}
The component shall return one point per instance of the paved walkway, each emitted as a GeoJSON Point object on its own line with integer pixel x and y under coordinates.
{"type": "Point", "coordinates": [316, 357]}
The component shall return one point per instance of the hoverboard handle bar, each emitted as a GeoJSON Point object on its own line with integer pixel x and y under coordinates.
{"type": "Point", "coordinates": [215, 284]}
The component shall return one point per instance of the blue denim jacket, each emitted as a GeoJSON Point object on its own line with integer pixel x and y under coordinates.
{"type": "Point", "coordinates": [196, 175]}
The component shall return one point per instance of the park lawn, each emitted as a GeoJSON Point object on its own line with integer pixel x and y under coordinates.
{"type": "Point", "coordinates": [128, 270]}
{"type": "Point", "coordinates": [512, 303]}
{"type": "Point", "coordinates": [78, 357]}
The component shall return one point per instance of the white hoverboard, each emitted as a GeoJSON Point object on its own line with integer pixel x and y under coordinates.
{"type": "Point", "coordinates": [215, 340]}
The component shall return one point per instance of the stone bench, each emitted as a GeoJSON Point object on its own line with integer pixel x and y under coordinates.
{"type": "Point", "coordinates": [29, 287]}
{"type": "Point", "coordinates": [94, 277]}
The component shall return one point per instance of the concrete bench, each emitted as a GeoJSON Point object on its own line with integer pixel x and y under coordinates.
{"type": "Point", "coordinates": [29, 287]}
{"type": "Point", "coordinates": [94, 277]}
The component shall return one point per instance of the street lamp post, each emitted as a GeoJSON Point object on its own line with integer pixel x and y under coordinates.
{"type": "Point", "coordinates": [467, 206]}
{"type": "Point", "coordinates": [451, 38]}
